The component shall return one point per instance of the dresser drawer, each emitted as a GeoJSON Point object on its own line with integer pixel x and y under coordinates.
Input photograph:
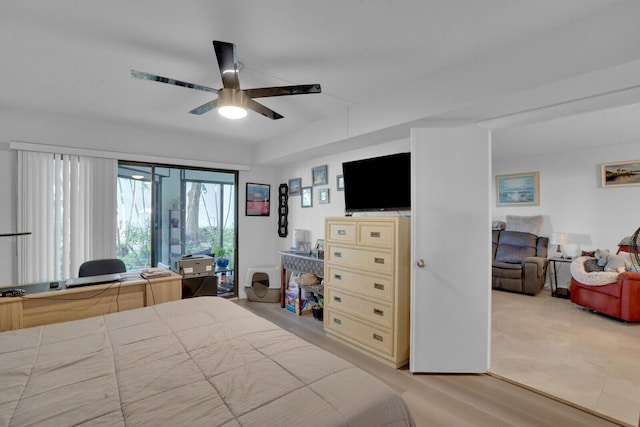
{"type": "Point", "coordinates": [341, 232]}
{"type": "Point", "coordinates": [377, 287]}
{"type": "Point", "coordinates": [372, 260]}
{"type": "Point", "coordinates": [373, 337]}
{"type": "Point", "coordinates": [368, 311]}
{"type": "Point", "coordinates": [376, 234]}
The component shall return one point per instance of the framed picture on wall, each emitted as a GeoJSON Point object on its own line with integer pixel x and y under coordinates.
{"type": "Point", "coordinates": [306, 200]}
{"type": "Point", "coordinates": [258, 198]}
{"type": "Point", "coordinates": [620, 174]}
{"type": "Point", "coordinates": [294, 186]}
{"type": "Point", "coordinates": [319, 175]}
{"type": "Point", "coordinates": [323, 196]}
{"type": "Point", "coordinates": [340, 182]}
{"type": "Point", "coordinates": [518, 189]}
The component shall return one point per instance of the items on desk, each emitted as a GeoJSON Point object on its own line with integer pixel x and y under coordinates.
{"type": "Point", "coordinates": [13, 292]}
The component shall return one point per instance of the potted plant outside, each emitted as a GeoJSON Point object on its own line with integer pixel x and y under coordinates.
{"type": "Point", "coordinates": [222, 261]}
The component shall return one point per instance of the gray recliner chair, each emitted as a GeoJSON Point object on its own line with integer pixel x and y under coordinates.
{"type": "Point", "coordinates": [519, 261]}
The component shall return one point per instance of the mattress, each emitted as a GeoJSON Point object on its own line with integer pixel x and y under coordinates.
{"type": "Point", "coordinates": [202, 361]}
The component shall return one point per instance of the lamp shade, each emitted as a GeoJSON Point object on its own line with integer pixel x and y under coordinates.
{"type": "Point", "coordinates": [558, 239]}
{"type": "Point", "coordinates": [232, 103]}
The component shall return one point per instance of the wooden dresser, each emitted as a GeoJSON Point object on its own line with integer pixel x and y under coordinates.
{"type": "Point", "coordinates": [367, 261]}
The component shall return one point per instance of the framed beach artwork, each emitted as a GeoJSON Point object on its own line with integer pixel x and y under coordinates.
{"type": "Point", "coordinates": [620, 174]}
{"type": "Point", "coordinates": [518, 189]}
{"type": "Point", "coordinates": [258, 198]}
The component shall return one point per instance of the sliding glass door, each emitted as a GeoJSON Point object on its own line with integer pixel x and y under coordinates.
{"type": "Point", "coordinates": [167, 212]}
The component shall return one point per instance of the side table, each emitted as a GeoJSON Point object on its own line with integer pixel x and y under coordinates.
{"type": "Point", "coordinates": [300, 263]}
{"type": "Point", "coordinates": [553, 277]}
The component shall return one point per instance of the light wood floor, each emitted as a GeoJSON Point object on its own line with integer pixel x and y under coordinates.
{"type": "Point", "coordinates": [444, 400]}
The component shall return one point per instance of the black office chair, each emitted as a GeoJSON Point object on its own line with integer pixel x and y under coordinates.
{"type": "Point", "coordinates": [98, 267]}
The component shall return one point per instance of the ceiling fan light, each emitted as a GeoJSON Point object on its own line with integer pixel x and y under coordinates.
{"type": "Point", "coordinates": [232, 112]}
{"type": "Point", "coordinates": [232, 103]}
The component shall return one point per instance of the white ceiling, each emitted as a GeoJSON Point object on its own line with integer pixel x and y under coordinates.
{"type": "Point", "coordinates": [73, 58]}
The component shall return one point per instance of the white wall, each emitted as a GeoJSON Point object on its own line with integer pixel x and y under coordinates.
{"type": "Point", "coordinates": [572, 199]}
{"type": "Point", "coordinates": [256, 234]}
{"type": "Point", "coordinates": [312, 219]}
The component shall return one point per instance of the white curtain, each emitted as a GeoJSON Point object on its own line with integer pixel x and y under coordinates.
{"type": "Point", "coordinates": [69, 204]}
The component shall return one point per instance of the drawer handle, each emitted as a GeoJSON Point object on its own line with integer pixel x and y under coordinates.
{"type": "Point", "coordinates": [378, 337]}
{"type": "Point", "coordinates": [378, 312]}
{"type": "Point", "coordinates": [342, 232]}
{"type": "Point", "coordinates": [375, 234]}
{"type": "Point", "coordinates": [337, 299]}
{"type": "Point", "coordinates": [337, 254]}
{"type": "Point", "coordinates": [337, 321]}
{"type": "Point", "coordinates": [378, 286]}
{"type": "Point", "coordinates": [337, 276]}
{"type": "Point", "coordinates": [378, 260]}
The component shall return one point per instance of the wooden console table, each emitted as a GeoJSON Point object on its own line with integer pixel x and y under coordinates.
{"type": "Point", "coordinates": [42, 305]}
{"type": "Point", "coordinates": [298, 263]}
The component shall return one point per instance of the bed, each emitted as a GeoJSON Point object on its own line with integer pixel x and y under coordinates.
{"type": "Point", "coordinates": [202, 361]}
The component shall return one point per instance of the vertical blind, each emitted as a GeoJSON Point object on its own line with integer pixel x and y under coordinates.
{"type": "Point", "coordinates": [69, 204]}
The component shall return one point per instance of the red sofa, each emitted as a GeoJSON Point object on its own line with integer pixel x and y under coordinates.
{"type": "Point", "coordinates": [620, 299]}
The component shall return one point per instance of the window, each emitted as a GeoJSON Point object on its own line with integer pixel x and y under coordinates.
{"type": "Point", "coordinates": [166, 212]}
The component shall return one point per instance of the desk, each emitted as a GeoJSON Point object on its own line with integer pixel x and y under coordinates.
{"type": "Point", "coordinates": [42, 305]}
{"type": "Point", "coordinates": [553, 277]}
{"type": "Point", "coordinates": [299, 263]}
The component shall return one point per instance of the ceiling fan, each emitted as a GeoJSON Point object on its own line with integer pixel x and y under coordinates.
{"type": "Point", "coordinates": [233, 102]}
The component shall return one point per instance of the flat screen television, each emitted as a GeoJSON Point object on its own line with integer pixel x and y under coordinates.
{"type": "Point", "coordinates": [378, 184]}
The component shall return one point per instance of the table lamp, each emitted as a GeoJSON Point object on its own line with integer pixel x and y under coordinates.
{"type": "Point", "coordinates": [559, 239]}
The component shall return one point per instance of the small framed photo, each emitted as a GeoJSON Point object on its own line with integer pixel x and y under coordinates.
{"type": "Point", "coordinates": [323, 196]}
{"type": "Point", "coordinates": [518, 189]}
{"type": "Point", "coordinates": [294, 186]}
{"type": "Point", "coordinates": [258, 196]}
{"type": "Point", "coordinates": [620, 174]}
{"type": "Point", "coordinates": [303, 248]}
{"type": "Point", "coordinates": [319, 175]}
{"type": "Point", "coordinates": [340, 182]}
{"type": "Point", "coordinates": [307, 197]}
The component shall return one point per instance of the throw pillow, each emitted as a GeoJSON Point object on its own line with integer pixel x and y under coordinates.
{"type": "Point", "coordinates": [589, 253]}
{"type": "Point", "coordinates": [591, 265]}
{"type": "Point", "coordinates": [525, 224]}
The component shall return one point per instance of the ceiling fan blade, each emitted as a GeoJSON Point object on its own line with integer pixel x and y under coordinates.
{"type": "Point", "coordinates": [261, 109]}
{"type": "Point", "coordinates": [205, 107]}
{"type": "Point", "coordinates": [228, 64]}
{"type": "Point", "coordinates": [283, 90]}
{"type": "Point", "coordinates": [146, 76]}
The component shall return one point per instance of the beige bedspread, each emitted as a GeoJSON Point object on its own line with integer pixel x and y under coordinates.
{"type": "Point", "coordinates": [203, 361]}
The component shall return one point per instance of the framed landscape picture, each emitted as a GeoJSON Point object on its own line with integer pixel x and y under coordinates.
{"type": "Point", "coordinates": [620, 174]}
{"type": "Point", "coordinates": [518, 189]}
{"type": "Point", "coordinates": [258, 196]}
